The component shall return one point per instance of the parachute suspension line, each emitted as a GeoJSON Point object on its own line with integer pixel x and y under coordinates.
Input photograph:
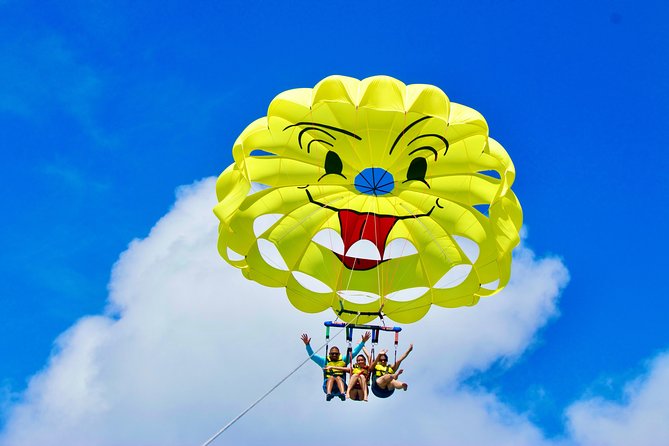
{"type": "Point", "coordinates": [394, 274]}
{"type": "Point", "coordinates": [379, 284]}
{"type": "Point", "coordinates": [342, 271]}
{"type": "Point", "coordinates": [375, 341]}
{"type": "Point", "coordinates": [349, 342]}
{"type": "Point", "coordinates": [406, 306]}
{"type": "Point", "coordinates": [327, 340]}
{"type": "Point", "coordinates": [397, 339]}
{"type": "Point", "coordinates": [266, 394]}
{"type": "Point", "coordinates": [434, 239]}
{"type": "Point", "coordinates": [350, 276]}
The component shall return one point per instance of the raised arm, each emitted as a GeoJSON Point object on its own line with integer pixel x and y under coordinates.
{"type": "Point", "coordinates": [376, 360]}
{"type": "Point", "coordinates": [403, 357]}
{"type": "Point", "coordinates": [320, 360]}
{"type": "Point", "coordinates": [367, 355]}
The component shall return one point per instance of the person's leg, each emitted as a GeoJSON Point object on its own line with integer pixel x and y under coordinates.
{"type": "Point", "coordinates": [384, 381]}
{"type": "Point", "coordinates": [395, 384]}
{"type": "Point", "coordinates": [329, 385]}
{"type": "Point", "coordinates": [340, 384]}
{"type": "Point", "coordinates": [354, 379]}
{"type": "Point", "coordinates": [363, 385]}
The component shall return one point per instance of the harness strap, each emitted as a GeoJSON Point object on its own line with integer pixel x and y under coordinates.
{"type": "Point", "coordinates": [349, 340]}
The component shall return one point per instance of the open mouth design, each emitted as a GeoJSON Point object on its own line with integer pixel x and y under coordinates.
{"type": "Point", "coordinates": [363, 241]}
{"type": "Point", "coordinates": [356, 230]}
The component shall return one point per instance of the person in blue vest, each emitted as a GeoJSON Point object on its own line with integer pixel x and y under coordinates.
{"type": "Point", "coordinates": [333, 376]}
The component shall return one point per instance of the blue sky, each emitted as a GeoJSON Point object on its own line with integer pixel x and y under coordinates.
{"type": "Point", "coordinates": [107, 108]}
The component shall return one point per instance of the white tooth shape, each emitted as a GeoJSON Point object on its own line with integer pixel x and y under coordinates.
{"type": "Point", "coordinates": [257, 187]}
{"type": "Point", "coordinates": [400, 247]}
{"type": "Point", "coordinates": [234, 255]}
{"type": "Point", "coordinates": [271, 255]}
{"type": "Point", "coordinates": [363, 249]}
{"type": "Point", "coordinates": [264, 222]}
{"type": "Point", "coordinates": [469, 247]}
{"type": "Point", "coordinates": [492, 286]}
{"type": "Point", "coordinates": [408, 294]}
{"type": "Point", "coordinates": [454, 277]}
{"type": "Point", "coordinates": [311, 283]}
{"type": "Point", "coordinates": [358, 297]}
{"type": "Point", "coordinates": [331, 239]}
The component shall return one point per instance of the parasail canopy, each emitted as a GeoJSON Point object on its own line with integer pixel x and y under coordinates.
{"type": "Point", "coordinates": [369, 194]}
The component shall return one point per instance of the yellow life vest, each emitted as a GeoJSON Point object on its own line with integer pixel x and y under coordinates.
{"type": "Point", "coordinates": [339, 363]}
{"type": "Point", "coordinates": [357, 370]}
{"type": "Point", "coordinates": [380, 370]}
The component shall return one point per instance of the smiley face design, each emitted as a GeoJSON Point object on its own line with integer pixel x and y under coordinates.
{"type": "Point", "coordinates": [370, 195]}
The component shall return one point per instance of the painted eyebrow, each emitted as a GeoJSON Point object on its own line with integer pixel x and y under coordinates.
{"type": "Point", "coordinates": [406, 129]}
{"type": "Point", "coordinates": [425, 148]}
{"type": "Point", "coordinates": [434, 135]}
{"type": "Point", "coordinates": [319, 127]}
{"type": "Point", "coordinates": [322, 141]}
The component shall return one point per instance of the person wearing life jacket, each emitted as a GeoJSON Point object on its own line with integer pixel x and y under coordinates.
{"type": "Point", "coordinates": [359, 370]}
{"type": "Point", "coordinates": [357, 388]}
{"type": "Point", "coordinates": [384, 379]}
{"type": "Point", "coordinates": [333, 375]}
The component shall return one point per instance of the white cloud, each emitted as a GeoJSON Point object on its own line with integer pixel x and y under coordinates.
{"type": "Point", "coordinates": [641, 418]}
{"type": "Point", "coordinates": [188, 343]}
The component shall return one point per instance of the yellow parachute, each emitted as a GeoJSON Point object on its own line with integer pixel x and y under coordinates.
{"type": "Point", "coordinates": [367, 195]}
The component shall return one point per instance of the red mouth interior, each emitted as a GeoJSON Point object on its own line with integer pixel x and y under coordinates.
{"type": "Point", "coordinates": [356, 226]}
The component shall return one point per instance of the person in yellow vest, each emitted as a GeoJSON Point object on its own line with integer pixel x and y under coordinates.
{"type": "Point", "coordinates": [357, 386]}
{"type": "Point", "coordinates": [334, 359]}
{"type": "Point", "coordinates": [334, 374]}
{"type": "Point", "coordinates": [384, 376]}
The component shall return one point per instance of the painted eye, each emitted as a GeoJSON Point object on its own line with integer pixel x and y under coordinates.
{"type": "Point", "coordinates": [333, 164]}
{"type": "Point", "coordinates": [417, 170]}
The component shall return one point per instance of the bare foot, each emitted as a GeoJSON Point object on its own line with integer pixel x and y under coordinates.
{"type": "Point", "coordinates": [405, 386]}
{"type": "Point", "coordinates": [399, 372]}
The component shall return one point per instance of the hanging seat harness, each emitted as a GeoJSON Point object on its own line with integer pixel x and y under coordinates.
{"type": "Point", "coordinates": [375, 329]}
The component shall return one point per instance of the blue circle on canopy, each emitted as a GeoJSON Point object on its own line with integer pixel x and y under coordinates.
{"type": "Point", "coordinates": [374, 181]}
